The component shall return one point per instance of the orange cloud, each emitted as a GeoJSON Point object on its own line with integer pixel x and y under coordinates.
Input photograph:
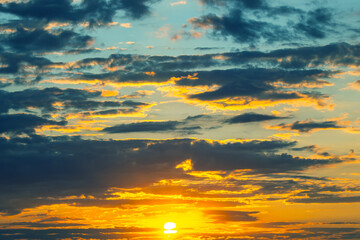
{"type": "Point", "coordinates": [354, 85]}
{"type": "Point", "coordinates": [125, 25]}
{"type": "Point", "coordinates": [186, 165]}
{"type": "Point", "coordinates": [109, 93]}
{"type": "Point", "coordinates": [52, 25]}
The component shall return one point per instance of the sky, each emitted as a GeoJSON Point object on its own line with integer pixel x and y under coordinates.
{"type": "Point", "coordinates": [233, 119]}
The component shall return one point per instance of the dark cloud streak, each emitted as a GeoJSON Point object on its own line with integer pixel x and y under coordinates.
{"type": "Point", "coordinates": [251, 117]}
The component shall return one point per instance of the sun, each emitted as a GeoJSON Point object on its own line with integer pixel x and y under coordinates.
{"type": "Point", "coordinates": [170, 228]}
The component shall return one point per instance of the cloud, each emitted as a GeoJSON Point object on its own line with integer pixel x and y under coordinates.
{"type": "Point", "coordinates": [314, 149]}
{"type": "Point", "coordinates": [231, 216]}
{"type": "Point", "coordinates": [254, 87]}
{"type": "Point", "coordinates": [109, 113]}
{"type": "Point", "coordinates": [300, 59]}
{"type": "Point", "coordinates": [14, 63]}
{"type": "Point", "coordinates": [239, 88]}
{"type": "Point", "coordinates": [240, 25]}
{"type": "Point", "coordinates": [207, 48]}
{"type": "Point", "coordinates": [316, 23]}
{"type": "Point", "coordinates": [39, 27]}
{"type": "Point", "coordinates": [41, 167]}
{"type": "Point", "coordinates": [252, 4]}
{"type": "Point", "coordinates": [293, 232]}
{"type": "Point", "coordinates": [40, 40]}
{"type": "Point", "coordinates": [327, 199]}
{"type": "Point", "coordinates": [279, 76]}
{"type": "Point", "coordinates": [163, 31]}
{"type": "Point", "coordinates": [95, 12]}
{"type": "Point", "coordinates": [18, 123]}
{"type": "Point", "coordinates": [234, 25]}
{"type": "Point", "coordinates": [251, 117]}
{"type": "Point", "coordinates": [189, 125]}
{"type": "Point", "coordinates": [143, 127]}
{"type": "Point", "coordinates": [53, 100]}
{"type": "Point", "coordinates": [45, 99]}
{"type": "Point", "coordinates": [178, 3]}
{"type": "Point", "coordinates": [71, 232]}
{"type": "Point", "coordinates": [309, 126]}
{"type": "Point", "coordinates": [355, 85]}
{"type": "Point", "coordinates": [125, 25]}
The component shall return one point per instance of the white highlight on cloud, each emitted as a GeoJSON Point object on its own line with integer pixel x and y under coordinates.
{"type": "Point", "coordinates": [108, 48]}
{"type": "Point", "coordinates": [178, 3]}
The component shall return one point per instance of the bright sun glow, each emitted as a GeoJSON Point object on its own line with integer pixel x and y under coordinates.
{"type": "Point", "coordinates": [170, 228]}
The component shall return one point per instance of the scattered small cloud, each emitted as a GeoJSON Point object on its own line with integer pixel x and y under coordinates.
{"type": "Point", "coordinates": [176, 37]}
{"type": "Point", "coordinates": [163, 31]}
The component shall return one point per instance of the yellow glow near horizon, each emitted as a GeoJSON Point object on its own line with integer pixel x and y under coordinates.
{"type": "Point", "coordinates": [170, 228]}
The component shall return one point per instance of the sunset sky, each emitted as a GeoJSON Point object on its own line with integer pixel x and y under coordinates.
{"type": "Point", "coordinates": [233, 119]}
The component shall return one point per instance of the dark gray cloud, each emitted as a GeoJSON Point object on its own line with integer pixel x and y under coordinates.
{"type": "Point", "coordinates": [241, 29]}
{"type": "Point", "coordinates": [18, 123]}
{"type": "Point", "coordinates": [326, 198]}
{"type": "Point", "coordinates": [317, 23]}
{"type": "Point", "coordinates": [313, 149]}
{"type": "Point", "coordinates": [109, 112]}
{"type": "Point", "coordinates": [309, 126]}
{"type": "Point", "coordinates": [251, 117]}
{"type": "Point", "coordinates": [207, 48]}
{"type": "Point", "coordinates": [72, 232]}
{"type": "Point", "coordinates": [35, 168]}
{"type": "Point", "coordinates": [325, 193]}
{"type": "Point", "coordinates": [41, 224]}
{"type": "Point", "coordinates": [240, 25]}
{"type": "Point", "coordinates": [186, 126]}
{"type": "Point", "coordinates": [143, 127]}
{"type": "Point", "coordinates": [40, 40]}
{"type": "Point", "coordinates": [280, 83]}
{"type": "Point", "coordinates": [96, 12]}
{"type": "Point", "coordinates": [288, 58]}
{"type": "Point", "coordinates": [302, 57]}
{"type": "Point", "coordinates": [31, 35]}
{"type": "Point", "coordinates": [256, 83]}
{"type": "Point", "coordinates": [252, 4]}
{"type": "Point", "coordinates": [14, 63]}
{"type": "Point", "coordinates": [252, 83]}
{"type": "Point", "coordinates": [72, 99]}
{"type": "Point", "coordinates": [189, 125]}
{"type": "Point", "coordinates": [165, 67]}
